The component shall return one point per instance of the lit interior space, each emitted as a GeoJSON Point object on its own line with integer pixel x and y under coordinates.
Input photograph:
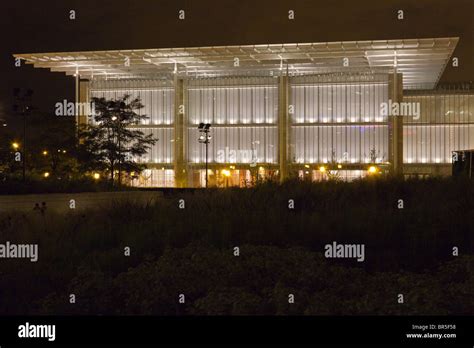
{"type": "Point", "coordinates": [308, 110]}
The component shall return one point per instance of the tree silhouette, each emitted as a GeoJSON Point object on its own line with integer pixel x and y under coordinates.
{"type": "Point", "coordinates": [111, 143]}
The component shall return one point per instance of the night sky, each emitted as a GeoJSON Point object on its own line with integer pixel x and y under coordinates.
{"type": "Point", "coordinates": [44, 26]}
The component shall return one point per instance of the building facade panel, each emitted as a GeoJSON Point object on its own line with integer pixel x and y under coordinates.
{"type": "Point", "coordinates": [157, 97]}
{"type": "Point", "coordinates": [333, 118]}
{"type": "Point", "coordinates": [243, 114]}
{"type": "Point", "coordinates": [338, 118]}
{"type": "Point", "coordinates": [445, 124]}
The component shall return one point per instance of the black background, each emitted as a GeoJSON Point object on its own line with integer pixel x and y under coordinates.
{"type": "Point", "coordinates": [30, 26]}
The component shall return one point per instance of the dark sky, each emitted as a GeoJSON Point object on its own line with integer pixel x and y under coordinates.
{"type": "Point", "coordinates": [44, 26]}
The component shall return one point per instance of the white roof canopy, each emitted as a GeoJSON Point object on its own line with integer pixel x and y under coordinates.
{"type": "Point", "coordinates": [422, 61]}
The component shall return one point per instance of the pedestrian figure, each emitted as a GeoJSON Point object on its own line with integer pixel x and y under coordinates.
{"type": "Point", "coordinates": [37, 207]}
{"type": "Point", "coordinates": [43, 208]}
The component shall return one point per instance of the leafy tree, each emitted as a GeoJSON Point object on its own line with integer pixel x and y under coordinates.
{"type": "Point", "coordinates": [52, 145]}
{"type": "Point", "coordinates": [110, 143]}
{"type": "Point", "coordinates": [6, 154]}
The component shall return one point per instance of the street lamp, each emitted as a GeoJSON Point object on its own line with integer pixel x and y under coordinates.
{"type": "Point", "coordinates": [205, 138]}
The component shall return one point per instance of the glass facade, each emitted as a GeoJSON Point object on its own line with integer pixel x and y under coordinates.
{"type": "Point", "coordinates": [331, 118]}
{"type": "Point", "coordinates": [155, 178]}
{"type": "Point", "coordinates": [157, 97]}
{"type": "Point", "coordinates": [243, 112]}
{"type": "Point", "coordinates": [337, 118]}
{"type": "Point", "coordinates": [445, 124]}
{"type": "Point", "coordinates": [341, 144]}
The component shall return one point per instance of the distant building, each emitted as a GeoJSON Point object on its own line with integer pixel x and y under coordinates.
{"type": "Point", "coordinates": [309, 109]}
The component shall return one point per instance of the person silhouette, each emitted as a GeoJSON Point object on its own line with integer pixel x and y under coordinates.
{"type": "Point", "coordinates": [43, 207]}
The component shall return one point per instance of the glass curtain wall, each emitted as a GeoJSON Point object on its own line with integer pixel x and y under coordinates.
{"type": "Point", "coordinates": [157, 97]}
{"type": "Point", "coordinates": [446, 124]}
{"type": "Point", "coordinates": [243, 113]}
{"type": "Point", "coordinates": [337, 118]}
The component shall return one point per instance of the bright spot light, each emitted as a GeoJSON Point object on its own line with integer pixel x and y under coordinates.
{"type": "Point", "coordinates": [96, 176]}
{"type": "Point", "coordinates": [372, 169]}
{"type": "Point", "coordinates": [46, 174]}
{"type": "Point", "coordinates": [322, 169]}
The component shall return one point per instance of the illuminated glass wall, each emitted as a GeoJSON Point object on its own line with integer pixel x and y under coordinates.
{"type": "Point", "coordinates": [337, 118]}
{"type": "Point", "coordinates": [332, 118]}
{"type": "Point", "coordinates": [157, 97]}
{"type": "Point", "coordinates": [445, 124]}
{"type": "Point", "coordinates": [155, 178]}
{"type": "Point", "coordinates": [243, 112]}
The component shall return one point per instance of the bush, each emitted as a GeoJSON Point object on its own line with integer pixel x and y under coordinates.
{"type": "Point", "coordinates": [189, 250]}
{"type": "Point", "coordinates": [259, 282]}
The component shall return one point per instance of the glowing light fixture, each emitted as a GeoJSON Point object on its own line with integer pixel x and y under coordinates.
{"type": "Point", "coordinates": [205, 138]}
{"type": "Point", "coordinates": [372, 169]}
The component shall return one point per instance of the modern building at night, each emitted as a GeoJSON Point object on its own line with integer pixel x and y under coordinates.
{"type": "Point", "coordinates": [308, 109]}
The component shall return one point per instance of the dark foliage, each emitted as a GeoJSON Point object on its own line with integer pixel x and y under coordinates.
{"type": "Point", "coordinates": [110, 143]}
{"type": "Point", "coordinates": [190, 251]}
